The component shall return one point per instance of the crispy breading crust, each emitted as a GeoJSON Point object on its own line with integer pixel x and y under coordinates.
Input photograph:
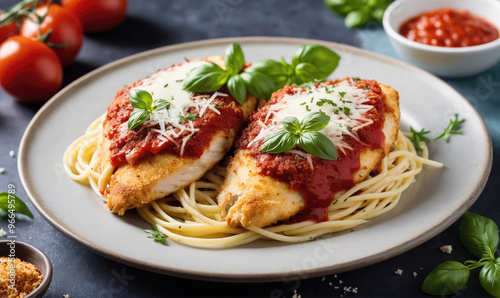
{"type": "Point", "coordinates": [133, 186]}
{"type": "Point", "coordinates": [156, 176]}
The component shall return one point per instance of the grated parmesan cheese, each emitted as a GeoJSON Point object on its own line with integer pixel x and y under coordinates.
{"type": "Point", "coordinates": [2, 170]}
{"type": "Point", "coordinates": [398, 272]}
{"type": "Point", "coordinates": [446, 249]}
{"type": "Point", "coordinates": [344, 103]}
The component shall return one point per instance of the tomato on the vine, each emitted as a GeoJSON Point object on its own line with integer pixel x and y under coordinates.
{"type": "Point", "coordinates": [98, 15]}
{"type": "Point", "coordinates": [7, 31]}
{"type": "Point", "coordinates": [29, 69]}
{"type": "Point", "coordinates": [64, 30]}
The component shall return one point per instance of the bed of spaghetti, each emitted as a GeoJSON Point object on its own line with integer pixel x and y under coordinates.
{"type": "Point", "coordinates": [192, 217]}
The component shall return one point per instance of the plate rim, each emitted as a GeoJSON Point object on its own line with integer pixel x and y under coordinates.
{"type": "Point", "coordinates": [249, 277]}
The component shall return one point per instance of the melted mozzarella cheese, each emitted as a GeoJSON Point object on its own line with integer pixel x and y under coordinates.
{"type": "Point", "coordinates": [173, 121]}
{"type": "Point", "coordinates": [167, 84]}
{"type": "Point", "coordinates": [344, 103]}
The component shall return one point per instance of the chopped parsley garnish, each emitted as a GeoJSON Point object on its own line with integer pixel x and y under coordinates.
{"type": "Point", "coordinates": [156, 235]}
{"type": "Point", "coordinates": [179, 81]}
{"type": "Point", "coordinates": [451, 129]}
{"type": "Point", "coordinates": [355, 79]}
{"type": "Point", "coordinates": [322, 101]}
{"type": "Point", "coordinates": [219, 105]}
{"type": "Point", "coordinates": [189, 116]}
{"type": "Point", "coordinates": [166, 85]}
{"type": "Point", "coordinates": [342, 94]}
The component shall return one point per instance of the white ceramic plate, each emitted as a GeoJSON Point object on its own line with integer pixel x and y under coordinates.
{"type": "Point", "coordinates": [435, 201]}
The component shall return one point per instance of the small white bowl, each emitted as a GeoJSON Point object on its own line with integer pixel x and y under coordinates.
{"type": "Point", "coordinates": [444, 61]}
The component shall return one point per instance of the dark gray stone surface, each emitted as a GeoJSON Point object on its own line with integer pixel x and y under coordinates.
{"type": "Point", "coordinates": [154, 23]}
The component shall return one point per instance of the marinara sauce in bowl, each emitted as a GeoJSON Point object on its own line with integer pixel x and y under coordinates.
{"type": "Point", "coordinates": [450, 38]}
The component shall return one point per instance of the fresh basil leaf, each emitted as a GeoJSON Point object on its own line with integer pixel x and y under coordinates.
{"type": "Point", "coordinates": [306, 72]}
{"type": "Point", "coordinates": [258, 84]}
{"type": "Point", "coordinates": [479, 234]}
{"type": "Point", "coordinates": [315, 121]}
{"type": "Point", "coordinates": [161, 104]}
{"type": "Point", "coordinates": [235, 60]}
{"type": "Point", "coordinates": [489, 277]}
{"type": "Point", "coordinates": [137, 117]}
{"type": "Point", "coordinates": [208, 77]}
{"type": "Point", "coordinates": [324, 59]}
{"type": "Point", "coordinates": [280, 73]}
{"type": "Point", "coordinates": [378, 13]}
{"type": "Point", "coordinates": [357, 18]}
{"type": "Point", "coordinates": [340, 7]}
{"type": "Point", "coordinates": [292, 125]}
{"type": "Point", "coordinates": [318, 144]}
{"type": "Point", "coordinates": [279, 141]}
{"type": "Point", "coordinates": [140, 99]}
{"type": "Point", "coordinates": [447, 278]}
{"type": "Point", "coordinates": [237, 88]}
{"type": "Point", "coordinates": [20, 207]}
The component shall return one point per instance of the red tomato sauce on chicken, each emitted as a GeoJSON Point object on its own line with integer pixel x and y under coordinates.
{"type": "Point", "coordinates": [145, 141]}
{"type": "Point", "coordinates": [317, 185]}
{"type": "Point", "coordinates": [449, 28]}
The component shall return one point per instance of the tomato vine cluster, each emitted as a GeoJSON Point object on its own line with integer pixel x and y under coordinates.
{"type": "Point", "coordinates": [38, 38]}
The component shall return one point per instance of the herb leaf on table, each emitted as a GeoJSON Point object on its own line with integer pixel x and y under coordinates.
{"type": "Point", "coordinates": [480, 236]}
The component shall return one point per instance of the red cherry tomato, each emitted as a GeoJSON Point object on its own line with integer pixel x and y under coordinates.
{"type": "Point", "coordinates": [7, 31]}
{"type": "Point", "coordinates": [98, 15]}
{"type": "Point", "coordinates": [29, 69]}
{"type": "Point", "coordinates": [66, 32]}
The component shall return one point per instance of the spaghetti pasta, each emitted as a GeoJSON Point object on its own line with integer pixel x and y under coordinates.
{"type": "Point", "coordinates": [191, 216]}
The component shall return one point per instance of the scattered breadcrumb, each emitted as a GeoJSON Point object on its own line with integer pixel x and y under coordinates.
{"type": "Point", "coordinates": [347, 289]}
{"type": "Point", "coordinates": [340, 282]}
{"type": "Point", "coordinates": [330, 283]}
{"type": "Point", "coordinates": [415, 274]}
{"type": "Point", "coordinates": [11, 153]}
{"type": "Point", "coordinates": [355, 290]}
{"type": "Point", "coordinates": [335, 276]}
{"type": "Point", "coordinates": [323, 278]}
{"type": "Point", "coordinates": [2, 233]}
{"type": "Point", "coordinates": [336, 287]}
{"type": "Point", "coordinates": [446, 249]}
{"type": "Point", "coordinates": [398, 272]}
{"type": "Point", "coordinates": [295, 295]}
{"type": "Point", "coordinates": [2, 170]}
{"type": "Point", "coordinates": [27, 278]}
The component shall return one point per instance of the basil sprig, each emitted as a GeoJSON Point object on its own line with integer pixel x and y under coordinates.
{"type": "Point", "coordinates": [359, 12]}
{"type": "Point", "coordinates": [311, 62]}
{"type": "Point", "coordinates": [143, 104]}
{"type": "Point", "coordinates": [10, 203]}
{"type": "Point", "coordinates": [480, 236]}
{"type": "Point", "coordinates": [305, 133]}
{"type": "Point", "coordinates": [210, 77]}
